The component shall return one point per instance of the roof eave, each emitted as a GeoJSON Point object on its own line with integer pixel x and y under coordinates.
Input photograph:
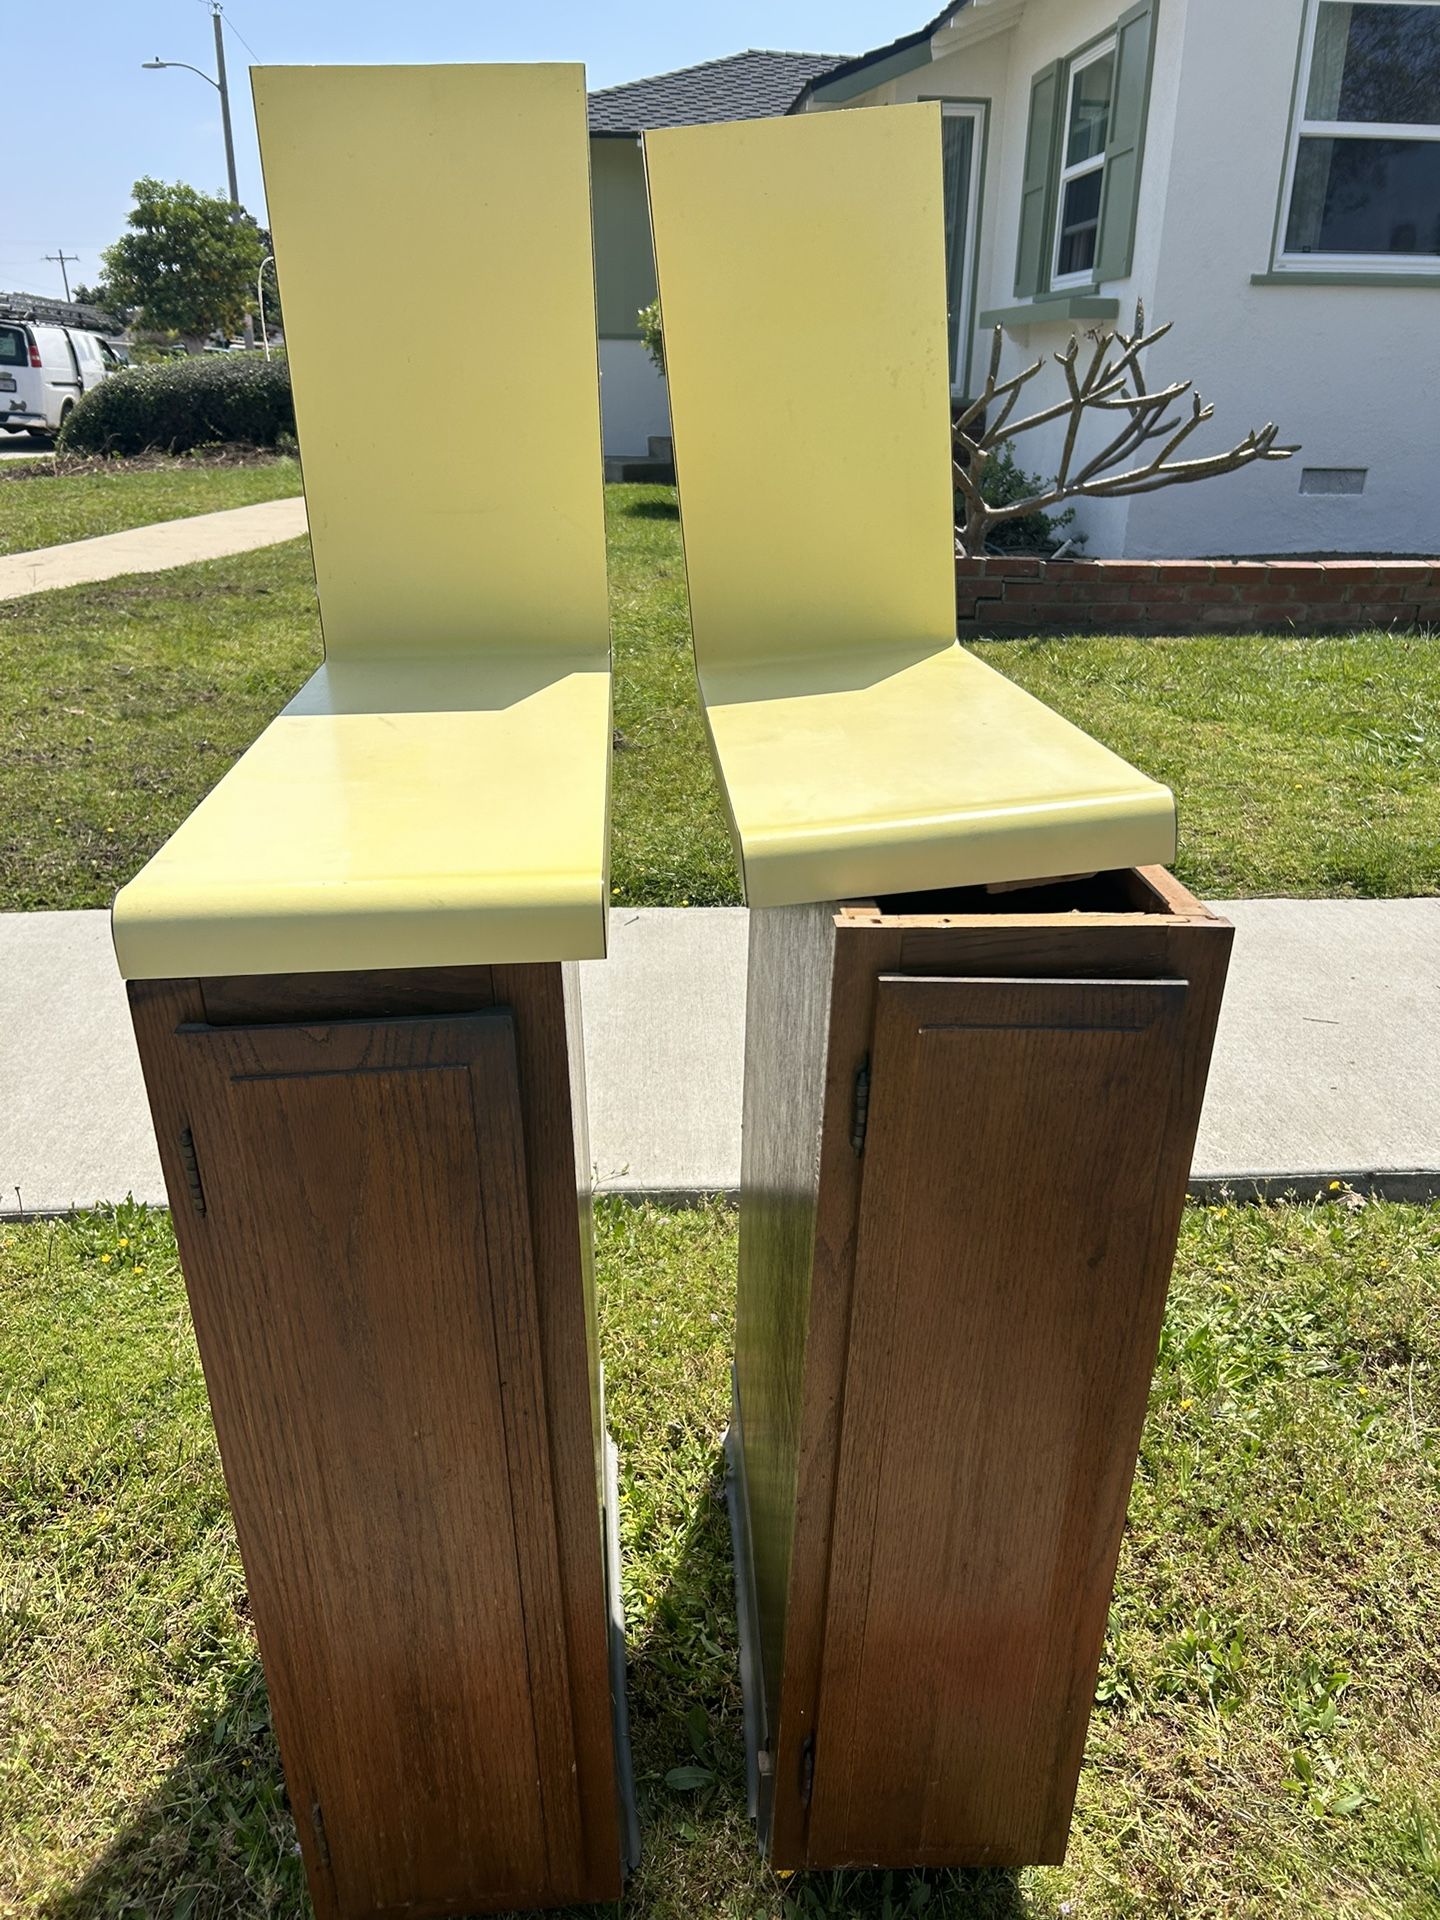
{"type": "Point", "coordinates": [869, 70]}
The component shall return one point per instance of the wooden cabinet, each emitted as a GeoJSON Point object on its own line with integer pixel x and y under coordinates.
{"type": "Point", "coordinates": [375, 1183]}
{"type": "Point", "coordinates": [967, 1138]}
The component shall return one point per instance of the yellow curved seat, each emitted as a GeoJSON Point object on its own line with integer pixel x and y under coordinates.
{"type": "Point", "coordinates": [861, 750]}
{"type": "Point", "coordinates": [438, 793]}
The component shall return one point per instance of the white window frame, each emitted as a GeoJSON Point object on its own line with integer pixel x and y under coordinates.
{"type": "Point", "coordinates": [1301, 128]}
{"type": "Point", "coordinates": [1061, 282]}
{"type": "Point", "coordinates": [977, 111]}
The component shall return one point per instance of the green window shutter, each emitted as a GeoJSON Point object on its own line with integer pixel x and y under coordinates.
{"type": "Point", "coordinates": [1037, 195]}
{"type": "Point", "coordinates": [1125, 148]}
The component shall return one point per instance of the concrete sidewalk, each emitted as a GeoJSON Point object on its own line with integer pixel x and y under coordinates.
{"type": "Point", "coordinates": [169, 543]}
{"type": "Point", "coordinates": [1325, 1065]}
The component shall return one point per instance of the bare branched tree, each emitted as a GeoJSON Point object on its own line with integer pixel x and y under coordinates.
{"type": "Point", "coordinates": [1113, 382]}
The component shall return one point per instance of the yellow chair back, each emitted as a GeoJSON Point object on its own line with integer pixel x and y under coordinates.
{"type": "Point", "coordinates": [802, 286]}
{"type": "Point", "coordinates": [432, 237]}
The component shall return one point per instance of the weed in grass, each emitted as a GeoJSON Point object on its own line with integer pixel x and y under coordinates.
{"type": "Point", "coordinates": [1266, 1739]}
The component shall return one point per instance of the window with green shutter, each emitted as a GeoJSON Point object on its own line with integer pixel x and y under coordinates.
{"type": "Point", "coordinates": [1037, 196]}
{"type": "Point", "coordinates": [1083, 153]}
{"type": "Point", "coordinates": [1125, 142]}
{"type": "Point", "coordinates": [962, 149]}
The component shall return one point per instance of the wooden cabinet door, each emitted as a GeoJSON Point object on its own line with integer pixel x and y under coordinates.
{"type": "Point", "coordinates": [1018, 1209]}
{"type": "Point", "coordinates": [358, 1259]}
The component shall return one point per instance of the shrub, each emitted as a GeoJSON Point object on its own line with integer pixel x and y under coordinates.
{"type": "Point", "coordinates": [181, 404]}
{"type": "Point", "coordinates": [648, 320]}
{"type": "Point", "coordinates": [1039, 532]}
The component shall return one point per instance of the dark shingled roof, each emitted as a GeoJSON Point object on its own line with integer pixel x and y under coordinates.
{"type": "Point", "coordinates": [745, 86]}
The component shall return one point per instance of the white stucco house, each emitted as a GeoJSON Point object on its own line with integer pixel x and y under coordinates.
{"type": "Point", "coordinates": [746, 86]}
{"type": "Point", "coordinates": [1263, 173]}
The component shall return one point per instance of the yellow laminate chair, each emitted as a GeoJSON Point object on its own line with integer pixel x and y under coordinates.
{"type": "Point", "coordinates": [437, 794]}
{"type": "Point", "coordinates": [861, 749]}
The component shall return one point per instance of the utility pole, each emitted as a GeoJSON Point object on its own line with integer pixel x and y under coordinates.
{"type": "Point", "coordinates": [225, 104]}
{"type": "Point", "coordinates": [61, 258]}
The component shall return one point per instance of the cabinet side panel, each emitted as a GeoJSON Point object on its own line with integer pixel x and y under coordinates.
{"type": "Point", "coordinates": [786, 1022]}
{"type": "Point", "coordinates": [550, 1050]}
{"type": "Point", "coordinates": [859, 955]}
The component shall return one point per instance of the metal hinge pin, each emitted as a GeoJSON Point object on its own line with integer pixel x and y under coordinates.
{"type": "Point", "coordinates": [190, 1161]}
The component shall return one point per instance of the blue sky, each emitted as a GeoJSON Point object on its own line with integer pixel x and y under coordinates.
{"type": "Point", "coordinates": [99, 122]}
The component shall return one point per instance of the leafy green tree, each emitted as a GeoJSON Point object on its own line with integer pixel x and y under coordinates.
{"type": "Point", "coordinates": [186, 261]}
{"type": "Point", "coordinates": [274, 317]}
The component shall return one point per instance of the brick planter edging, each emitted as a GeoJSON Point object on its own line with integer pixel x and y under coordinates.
{"type": "Point", "coordinates": [1006, 596]}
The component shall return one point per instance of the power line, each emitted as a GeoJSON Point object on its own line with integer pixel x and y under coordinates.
{"type": "Point", "coordinates": [215, 7]}
{"type": "Point", "coordinates": [241, 38]}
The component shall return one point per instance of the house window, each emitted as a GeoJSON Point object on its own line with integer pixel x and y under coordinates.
{"type": "Point", "coordinates": [1086, 128]}
{"type": "Point", "coordinates": [962, 137]}
{"type": "Point", "coordinates": [1364, 169]}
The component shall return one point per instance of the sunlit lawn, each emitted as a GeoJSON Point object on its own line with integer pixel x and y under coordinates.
{"type": "Point", "coordinates": [43, 509]}
{"type": "Point", "coordinates": [1302, 766]}
{"type": "Point", "coordinates": [1266, 1744]}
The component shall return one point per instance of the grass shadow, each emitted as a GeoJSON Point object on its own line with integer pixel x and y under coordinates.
{"type": "Point", "coordinates": [699, 1850]}
{"type": "Point", "coordinates": [215, 1838]}
{"type": "Point", "coordinates": [652, 510]}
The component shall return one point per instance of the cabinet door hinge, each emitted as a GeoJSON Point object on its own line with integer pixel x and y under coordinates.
{"type": "Point", "coordinates": [807, 1769]}
{"type": "Point", "coordinates": [862, 1106]}
{"type": "Point", "coordinates": [190, 1161]}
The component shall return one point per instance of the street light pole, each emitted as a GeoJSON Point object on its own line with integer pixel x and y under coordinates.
{"type": "Point", "coordinates": [268, 261]}
{"type": "Point", "coordinates": [221, 86]}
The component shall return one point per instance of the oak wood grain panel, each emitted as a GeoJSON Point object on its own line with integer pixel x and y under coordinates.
{"type": "Point", "coordinates": [544, 999]}
{"type": "Point", "coordinates": [787, 1009]}
{"type": "Point", "coordinates": [847, 968]}
{"type": "Point", "coordinates": [1009, 1285]}
{"type": "Point", "coordinates": [237, 998]}
{"type": "Point", "coordinates": [814, 979]}
{"type": "Point", "coordinates": [388, 1342]}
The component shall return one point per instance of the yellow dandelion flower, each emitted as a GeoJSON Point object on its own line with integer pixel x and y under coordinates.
{"type": "Point", "coordinates": [104, 1259]}
{"type": "Point", "coordinates": [1334, 1186]}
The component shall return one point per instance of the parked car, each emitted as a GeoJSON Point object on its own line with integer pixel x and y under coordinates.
{"type": "Point", "coordinates": [44, 369]}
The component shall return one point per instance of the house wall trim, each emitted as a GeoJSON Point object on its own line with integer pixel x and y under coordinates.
{"type": "Point", "coordinates": [1039, 313]}
{"type": "Point", "coordinates": [1339, 277]}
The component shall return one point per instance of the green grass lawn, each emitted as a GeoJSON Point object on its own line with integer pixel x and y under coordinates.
{"type": "Point", "coordinates": [1306, 767]}
{"type": "Point", "coordinates": [45, 509]}
{"type": "Point", "coordinates": [1266, 1741]}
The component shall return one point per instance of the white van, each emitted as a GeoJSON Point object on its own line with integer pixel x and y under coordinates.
{"type": "Point", "coordinates": [44, 370]}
